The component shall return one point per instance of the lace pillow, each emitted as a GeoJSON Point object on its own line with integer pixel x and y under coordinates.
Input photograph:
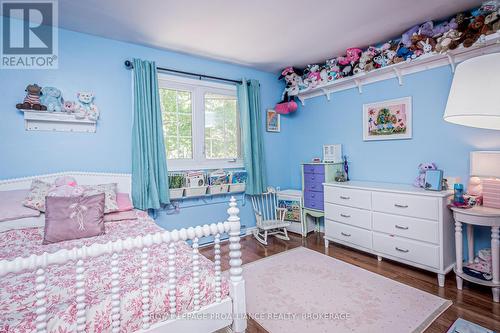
{"type": "Point", "coordinates": [68, 218]}
{"type": "Point", "coordinates": [36, 196]}
{"type": "Point", "coordinates": [109, 190]}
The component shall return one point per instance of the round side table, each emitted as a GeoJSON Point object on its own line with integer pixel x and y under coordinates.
{"type": "Point", "coordinates": [482, 216]}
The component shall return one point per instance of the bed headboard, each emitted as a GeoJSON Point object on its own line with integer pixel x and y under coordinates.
{"type": "Point", "coordinates": [83, 178]}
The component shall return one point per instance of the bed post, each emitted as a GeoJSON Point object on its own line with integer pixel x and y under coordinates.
{"type": "Point", "coordinates": [236, 283]}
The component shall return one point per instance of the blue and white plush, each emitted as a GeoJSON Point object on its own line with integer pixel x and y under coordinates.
{"type": "Point", "coordinates": [51, 98]}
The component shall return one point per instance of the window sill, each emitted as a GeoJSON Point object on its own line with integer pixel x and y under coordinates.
{"type": "Point", "coordinates": [205, 165]}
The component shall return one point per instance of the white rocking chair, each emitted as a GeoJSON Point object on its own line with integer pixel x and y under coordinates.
{"type": "Point", "coordinates": [270, 218]}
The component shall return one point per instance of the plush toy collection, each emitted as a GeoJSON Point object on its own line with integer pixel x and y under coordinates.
{"type": "Point", "coordinates": [464, 29]}
{"type": "Point", "coordinates": [50, 99]}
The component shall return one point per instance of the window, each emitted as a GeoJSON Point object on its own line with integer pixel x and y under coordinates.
{"type": "Point", "coordinates": [200, 123]}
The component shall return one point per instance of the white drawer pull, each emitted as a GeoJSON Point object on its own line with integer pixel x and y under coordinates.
{"type": "Point", "coordinates": [344, 198]}
{"type": "Point", "coordinates": [402, 250]}
{"type": "Point", "coordinates": [344, 234]}
{"type": "Point", "coordinates": [400, 206]}
{"type": "Point", "coordinates": [344, 215]}
{"type": "Point", "coordinates": [401, 227]}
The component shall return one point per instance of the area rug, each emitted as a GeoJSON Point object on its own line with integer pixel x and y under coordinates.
{"type": "Point", "coordinates": [305, 291]}
{"type": "Point", "coordinates": [464, 326]}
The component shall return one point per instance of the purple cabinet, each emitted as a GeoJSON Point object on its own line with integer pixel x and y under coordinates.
{"type": "Point", "coordinates": [313, 182]}
{"type": "Point", "coordinates": [314, 168]}
{"type": "Point", "coordinates": [313, 200]}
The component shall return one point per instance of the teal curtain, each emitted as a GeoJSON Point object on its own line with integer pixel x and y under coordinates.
{"type": "Point", "coordinates": [251, 136]}
{"type": "Point", "coordinates": [149, 163]}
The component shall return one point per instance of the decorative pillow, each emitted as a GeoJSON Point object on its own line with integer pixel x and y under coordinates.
{"type": "Point", "coordinates": [36, 196]}
{"type": "Point", "coordinates": [11, 206]}
{"type": "Point", "coordinates": [124, 202]}
{"type": "Point", "coordinates": [65, 180]}
{"type": "Point", "coordinates": [66, 191]}
{"type": "Point", "coordinates": [69, 218]}
{"type": "Point", "coordinates": [120, 216]}
{"type": "Point", "coordinates": [109, 190]}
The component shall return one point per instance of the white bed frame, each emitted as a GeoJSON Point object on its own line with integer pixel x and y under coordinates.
{"type": "Point", "coordinates": [224, 312]}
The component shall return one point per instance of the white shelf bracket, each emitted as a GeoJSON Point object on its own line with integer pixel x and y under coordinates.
{"type": "Point", "coordinates": [359, 84]}
{"type": "Point", "coordinates": [399, 76]}
{"type": "Point", "coordinates": [452, 62]}
{"type": "Point", "coordinates": [301, 99]}
{"type": "Point", "coordinates": [327, 93]}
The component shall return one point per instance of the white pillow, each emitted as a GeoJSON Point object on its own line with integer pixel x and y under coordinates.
{"type": "Point", "coordinates": [24, 223]}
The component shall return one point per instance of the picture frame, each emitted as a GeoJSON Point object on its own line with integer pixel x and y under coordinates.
{"type": "Point", "coordinates": [273, 121]}
{"type": "Point", "coordinates": [388, 120]}
{"type": "Point", "coordinates": [433, 180]}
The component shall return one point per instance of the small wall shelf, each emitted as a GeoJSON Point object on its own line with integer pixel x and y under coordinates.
{"type": "Point", "coordinates": [56, 121]}
{"type": "Point", "coordinates": [489, 44]}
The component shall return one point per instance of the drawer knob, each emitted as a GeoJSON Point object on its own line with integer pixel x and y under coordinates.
{"type": "Point", "coordinates": [344, 215]}
{"type": "Point", "coordinates": [402, 250]}
{"type": "Point", "coordinates": [344, 234]}
{"type": "Point", "coordinates": [400, 206]}
{"type": "Point", "coordinates": [344, 198]}
{"type": "Point", "coordinates": [401, 227]}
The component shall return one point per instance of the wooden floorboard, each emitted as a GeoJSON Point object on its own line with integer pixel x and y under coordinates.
{"type": "Point", "coordinates": [473, 303]}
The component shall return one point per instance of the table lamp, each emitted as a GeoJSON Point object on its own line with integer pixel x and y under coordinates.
{"type": "Point", "coordinates": [486, 166]}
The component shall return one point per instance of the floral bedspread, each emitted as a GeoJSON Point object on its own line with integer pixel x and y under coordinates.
{"type": "Point", "coordinates": [17, 292]}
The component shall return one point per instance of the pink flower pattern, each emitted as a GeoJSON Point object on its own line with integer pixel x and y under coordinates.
{"type": "Point", "coordinates": [17, 292]}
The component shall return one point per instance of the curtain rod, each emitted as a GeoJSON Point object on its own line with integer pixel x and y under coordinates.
{"type": "Point", "coordinates": [130, 65]}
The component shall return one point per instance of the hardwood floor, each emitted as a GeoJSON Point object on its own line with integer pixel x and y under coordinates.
{"type": "Point", "coordinates": [473, 303]}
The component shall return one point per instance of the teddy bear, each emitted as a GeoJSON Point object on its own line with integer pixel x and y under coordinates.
{"type": "Point", "coordinates": [70, 107]}
{"type": "Point", "coordinates": [443, 43]}
{"type": "Point", "coordinates": [474, 31]}
{"type": "Point", "coordinates": [51, 98]}
{"type": "Point", "coordinates": [32, 99]}
{"type": "Point", "coordinates": [422, 169]}
{"type": "Point", "coordinates": [492, 23]}
{"type": "Point", "coordinates": [86, 107]}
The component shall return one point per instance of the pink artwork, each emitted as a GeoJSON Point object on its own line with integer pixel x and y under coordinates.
{"type": "Point", "coordinates": [387, 120]}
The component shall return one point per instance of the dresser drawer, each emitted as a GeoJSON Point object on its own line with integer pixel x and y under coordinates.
{"type": "Point", "coordinates": [408, 205]}
{"type": "Point", "coordinates": [348, 197]}
{"type": "Point", "coordinates": [314, 168]}
{"type": "Point", "coordinates": [348, 215]}
{"type": "Point", "coordinates": [313, 200]}
{"type": "Point", "coordinates": [346, 233]}
{"type": "Point", "coordinates": [407, 249]}
{"type": "Point", "coordinates": [314, 181]}
{"type": "Point", "coordinates": [409, 227]}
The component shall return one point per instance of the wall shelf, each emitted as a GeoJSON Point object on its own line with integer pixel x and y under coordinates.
{"type": "Point", "coordinates": [56, 121]}
{"type": "Point", "coordinates": [488, 44]}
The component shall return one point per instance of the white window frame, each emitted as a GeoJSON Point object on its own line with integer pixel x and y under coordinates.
{"type": "Point", "coordinates": [198, 89]}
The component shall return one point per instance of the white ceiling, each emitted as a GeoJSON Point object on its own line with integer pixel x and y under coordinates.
{"type": "Point", "coordinates": [264, 34]}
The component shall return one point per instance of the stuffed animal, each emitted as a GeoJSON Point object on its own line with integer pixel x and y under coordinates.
{"type": "Point", "coordinates": [51, 98]}
{"type": "Point", "coordinates": [462, 20]}
{"type": "Point", "coordinates": [315, 75]}
{"type": "Point", "coordinates": [404, 52]}
{"type": "Point", "coordinates": [422, 168]}
{"type": "Point", "coordinates": [427, 46]}
{"type": "Point", "coordinates": [406, 37]}
{"type": "Point", "coordinates": [448, 38]}
{"type": "Point", "coordinates": [351, 57]}
{"type": "Point", "coordinates": [426, 29]}
{"type": "Point", "coordinates": [473, 32]}
{"type": "Point", "coordinates": [332, 69]}
{"type": "Point", "coordinates": [293, 80]}
{"type": "Point", "coordinates": [70, 107]}
{"type": "Point", "coordinates": [32, 99]}
{"type": "Point", "coordinates": [87, 108]}
{"type": "Point", "coordinates": [365, 63]}
{"type": "Point", "coordinates": [444, 27]}
{"type": "Point", "coordinates": [475, 187]}
{"type": "Point", "coordinates": [492, 23]}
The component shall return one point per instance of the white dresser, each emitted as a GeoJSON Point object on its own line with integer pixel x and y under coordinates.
{"type": "Point", "coordinates": [395, 221]}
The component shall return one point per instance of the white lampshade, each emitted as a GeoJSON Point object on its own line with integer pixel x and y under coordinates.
{"type": "Point", "coordinates": [485, 163]}
{"type": "Point", "coordinates": [474, 98]}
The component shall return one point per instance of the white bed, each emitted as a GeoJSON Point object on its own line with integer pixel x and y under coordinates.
{"type": "Point", "coordinates": [200, 312]}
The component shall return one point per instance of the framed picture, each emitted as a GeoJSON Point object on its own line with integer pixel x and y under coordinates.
{"type": "Point", "coordinates": [387, 120]}
{"type": "Point", "coordinates": [273, 121]}
{"type": "Point", "coordinates": [434, 180]}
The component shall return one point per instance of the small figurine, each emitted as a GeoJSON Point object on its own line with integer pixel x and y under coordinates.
{"type": "Point", "coordinates": [346, 168]}
{"type": "Point", "coordinates": [475, 188]}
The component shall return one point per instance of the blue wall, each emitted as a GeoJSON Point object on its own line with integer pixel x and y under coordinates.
{"type": "Point", "coordinates": [434, 140]}
{"type": "Point", "coordinates": [96, 64]}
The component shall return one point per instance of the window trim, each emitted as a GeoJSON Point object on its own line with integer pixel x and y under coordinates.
{"type": "Point", "coordinates": [198, 89]}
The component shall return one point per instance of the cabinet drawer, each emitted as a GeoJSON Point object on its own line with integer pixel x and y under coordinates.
{"type": "Point", "coordinates": [409, 227]}
{"type": "Point", "coordinates": [346, 233]}
{"type": "Point", "coordinates": [348, 215]}
{"type": "Point", "coordinates": [408, 205]}
{"type": "Point", "coordinates": [348, 197]}
{"type": "Point", "coordinates": [313, 200]}
{"type": "Point", "coordinates": [314, 182]}
{"type": "Point", "coordinates": [414, 251]}
{"type": "Point", "coordinates": [314, 168]}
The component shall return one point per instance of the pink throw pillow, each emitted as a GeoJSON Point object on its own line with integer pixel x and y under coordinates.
{"type": "Point", "coordinates": [12, 208]}
{"type": "Point", "coordinates": [120, 216]}
{"type": "Point", "coordinates": [124, 202]}
{"type": "Point", "coordinates": [68, 218]}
